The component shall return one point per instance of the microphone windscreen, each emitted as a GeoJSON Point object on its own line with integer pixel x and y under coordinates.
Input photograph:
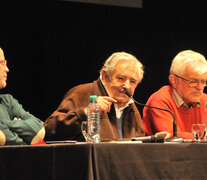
{"type": "Point", "coordinates": [159, 138]}
{"type": "Point", "coordinates": [150, 139]}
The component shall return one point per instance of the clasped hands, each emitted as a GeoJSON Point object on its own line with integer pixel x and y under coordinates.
{"type": "Point", "coordinates": [16, 118]}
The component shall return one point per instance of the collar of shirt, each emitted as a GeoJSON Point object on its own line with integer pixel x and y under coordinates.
{"type": "Point", "coordinates": [119, 111]}
{"type": "Point", "coordinates": [179, 101]}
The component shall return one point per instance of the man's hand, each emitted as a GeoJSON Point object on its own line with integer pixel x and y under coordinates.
{"type": "Point", "coordinates": [16, 118]}
{"type": "Point", "coordinates": [165, 133]}
{"type": "Point", "coordinates": [105, 103]}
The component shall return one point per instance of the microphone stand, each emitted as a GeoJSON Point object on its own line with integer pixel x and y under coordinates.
{"type": "Point", "coordinates": [172, 139]}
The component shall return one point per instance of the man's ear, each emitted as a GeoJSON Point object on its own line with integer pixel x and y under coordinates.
{"type": "Point", "coordinates": [173, 81]}
{"type": "Point", "coordinates": [105, 77]}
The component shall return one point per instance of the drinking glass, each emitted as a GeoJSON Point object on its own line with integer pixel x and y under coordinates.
{"type": "Point", "coordinates": [84, 129]}
{"type": "Point", "coordinates": [198, 131]}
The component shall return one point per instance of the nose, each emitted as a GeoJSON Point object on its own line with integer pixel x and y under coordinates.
{"type": "Point", "coordinates": [199, 85]}
{"type": "Point", "coordinates": [127, 84]}
{"type": "Point", "coordinates": [6, 68]}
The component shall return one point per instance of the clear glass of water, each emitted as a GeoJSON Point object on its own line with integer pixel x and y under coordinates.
{"type": "Point", "coordinates": [199, 132]}
{"type": "Point", "coordinates": [84, 129]}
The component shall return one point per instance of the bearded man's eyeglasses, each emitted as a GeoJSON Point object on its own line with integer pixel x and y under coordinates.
{"type": "Point", "coordinates": [194, 82]}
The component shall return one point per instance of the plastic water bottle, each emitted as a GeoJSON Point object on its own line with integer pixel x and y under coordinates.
{"type": "Point", "coordinates": [93, 121]}
{"type": "Point", "coordinates": [205, 122]}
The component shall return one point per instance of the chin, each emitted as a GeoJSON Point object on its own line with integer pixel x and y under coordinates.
{"type": "Point", "coordinates": [2, 85]}
{"type": "Point", "coordinates": [122, 100]}
{"type": "Point", "coordinates": [195, 100]}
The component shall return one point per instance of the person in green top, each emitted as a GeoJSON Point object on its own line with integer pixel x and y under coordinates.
{"type": "Point", "coordinates": [17, 126]}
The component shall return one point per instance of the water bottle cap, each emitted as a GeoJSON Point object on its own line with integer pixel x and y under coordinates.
{"type": "Point", "coordinates": [93, 98]}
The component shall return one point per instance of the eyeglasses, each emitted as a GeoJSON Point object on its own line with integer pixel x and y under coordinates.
{"type": "Point", "coordinates": [3, 62]}
{"type": "Point", "coordinates": [193, 83]}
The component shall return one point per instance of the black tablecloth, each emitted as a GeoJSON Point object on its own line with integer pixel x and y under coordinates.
{"type": "Point", "coordinates": [105, 161]}
{"type": "Point", "coordinates": [46, 162]}
{"type": "Point", "coordinates": [151, 161]}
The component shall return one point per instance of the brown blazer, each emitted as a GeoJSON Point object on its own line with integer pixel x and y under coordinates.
{"type": "Point", "coordinates": [65, 122]}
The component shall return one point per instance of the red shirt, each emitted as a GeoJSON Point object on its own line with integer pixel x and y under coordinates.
{"type": "Point", "coordinates": [155, 120]}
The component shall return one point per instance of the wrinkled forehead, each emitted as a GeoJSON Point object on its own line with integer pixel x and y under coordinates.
{"type": "Point", "coordinates": [128, 68]}
{"type": "Point", "coordinates": [126, 64]}
{"type": "Point", "coordinates": [2, 55]}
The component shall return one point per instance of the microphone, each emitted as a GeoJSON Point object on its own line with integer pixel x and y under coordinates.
{"type": "Point", "coordinates": [150, 139]}
{"type": "Point", "coordinates": [174, 138]}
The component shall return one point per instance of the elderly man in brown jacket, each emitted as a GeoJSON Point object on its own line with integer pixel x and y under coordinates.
{"type": "Point", "coordinates": [120, 117]}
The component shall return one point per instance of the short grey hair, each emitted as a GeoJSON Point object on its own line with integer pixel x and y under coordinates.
{"type": "Point", "coordinates": [191, 59]}
{"type": "Point", "coordinates": [110, 64]}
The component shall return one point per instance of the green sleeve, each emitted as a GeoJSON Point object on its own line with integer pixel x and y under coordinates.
{"type": "Point", "coordinates": [26, 128]}
{"type": "Point", "coordinates": [12, 138]}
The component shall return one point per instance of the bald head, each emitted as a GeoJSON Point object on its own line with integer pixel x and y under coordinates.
{"type": "Point", "coordinates": [2, 54]}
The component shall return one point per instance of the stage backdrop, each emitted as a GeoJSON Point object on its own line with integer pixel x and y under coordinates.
{"type": "Point", "coordinates": [52, 46]}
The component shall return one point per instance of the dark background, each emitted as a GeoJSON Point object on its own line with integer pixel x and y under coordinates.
{"type": "Point", "coordinates": [52, 46]}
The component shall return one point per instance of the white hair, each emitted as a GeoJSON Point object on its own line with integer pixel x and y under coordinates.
{"type": "Point", "coordinates": [110, 64]}
{"type": "Point", "coordinates": [188, 59]}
